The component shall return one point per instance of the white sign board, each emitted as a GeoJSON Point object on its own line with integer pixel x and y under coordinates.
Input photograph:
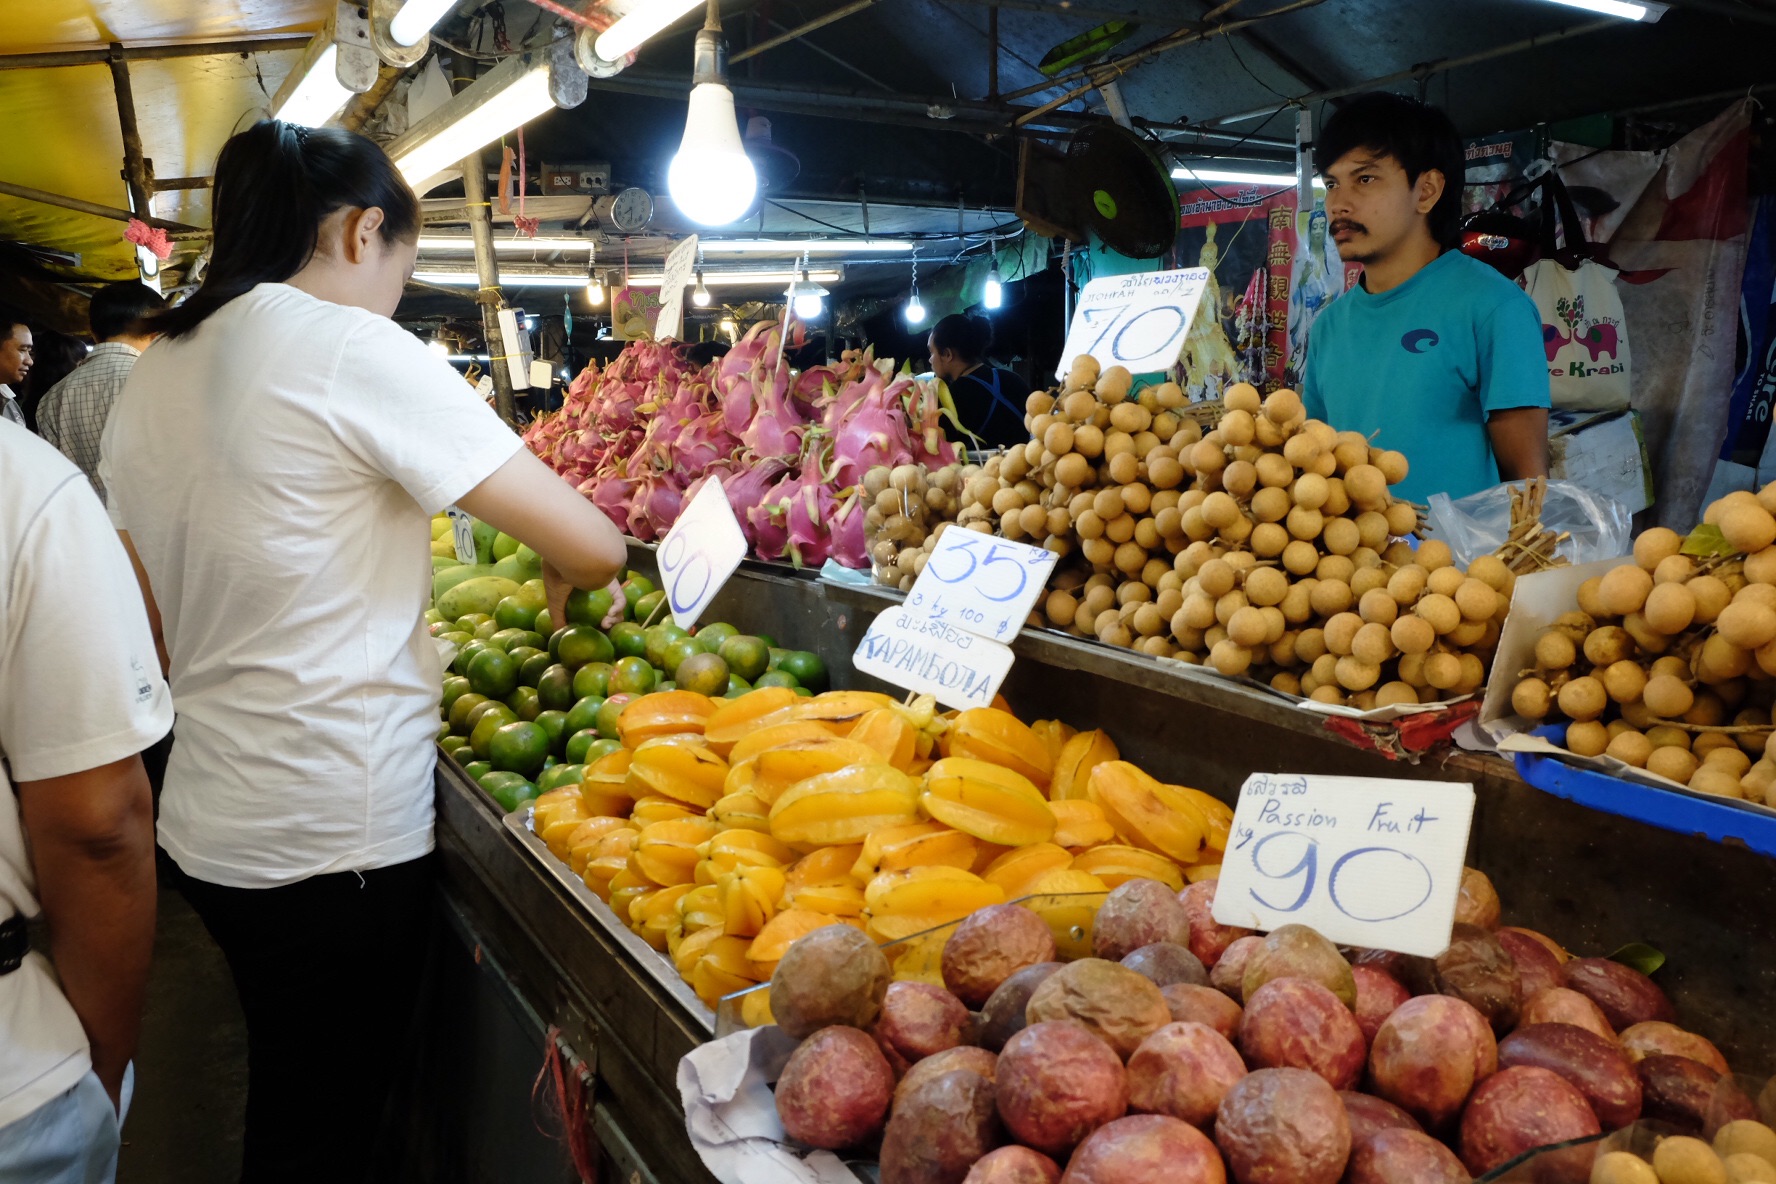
{"type": "Point", "coordinates": [933, 657]}
{"type": "Point", "coordinates": [462, 529]}
{"type": "Point", "coordinates": [981, 584]}
{"type": "Point", "coordinates": [680, 265]}
{"type": "Point", "coordinates": [700, 552]}
{"type": "Point", "coordinates": [1364, 861]}
{"type": "Point", "coordinates": [1138, 321]}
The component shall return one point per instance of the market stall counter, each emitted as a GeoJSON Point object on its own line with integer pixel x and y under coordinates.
{"type": "Point", "coordinates": [1598, 880]}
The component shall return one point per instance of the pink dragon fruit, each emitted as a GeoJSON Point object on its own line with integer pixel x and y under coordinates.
{"type": "Point", "coordinates": [849, 546]}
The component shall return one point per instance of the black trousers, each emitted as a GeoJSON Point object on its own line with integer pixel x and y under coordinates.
{"type": "Point", "coordinates": [330, 973]}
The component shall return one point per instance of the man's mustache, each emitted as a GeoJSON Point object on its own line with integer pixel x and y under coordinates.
{"type": "Point", "coordinates": [1358, 227]}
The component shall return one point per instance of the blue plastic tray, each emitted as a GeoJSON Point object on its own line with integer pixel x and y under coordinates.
{"type": "Point", "coordinates": [1686, 814]}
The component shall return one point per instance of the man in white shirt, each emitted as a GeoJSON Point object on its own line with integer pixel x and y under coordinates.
{"type": "Point", "coordinates": [73, 412]}
{"type": "Point", "coordinates": [15, 362]}
{"type": "Point", "coordinates": [76, 825]}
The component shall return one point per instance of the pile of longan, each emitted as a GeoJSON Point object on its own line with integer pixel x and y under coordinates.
{"type": "Point", "coordinates": [1667, 647]}
{"type": "Point", "coordinates": [908, 510]}
{"type": "Point", "coordinates": [1283, 559]}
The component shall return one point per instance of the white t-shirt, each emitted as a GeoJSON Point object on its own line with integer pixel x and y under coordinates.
{"type": "Point", "coordinates": [80, 687]}
{"type": "Point", "coordinates": [276, 470]}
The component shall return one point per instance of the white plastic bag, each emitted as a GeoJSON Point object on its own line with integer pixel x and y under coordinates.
{"type": "Point", "coordinates": [1583, 333]}
{"type": "Point", "coordinates": [1476, 525]}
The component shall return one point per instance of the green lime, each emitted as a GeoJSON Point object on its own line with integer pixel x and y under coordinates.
{"type": "Point", "coordinates": [549, 762]}
{"type": "Point", "coordinates": [432, 617]}
{"type": "Point", "coordinates": [555, 643]}
{"type": "Point", "coordinates": [469, 622]}
{"type": "Point", "coordinates": [535, 587]}
{"type": "Point", "coordinates": [443, 732]}
{"type": "Point", "coordinates": [495, 718]}
{"type": "Point", "coordinates": [678, 651]}
{"type": "Point", "coordinates": [712, 635]}
{"type": "Point", "coordinates": [477, 769]}
{"type": "Point", "coordinates": [584, 714]}
{"type": "Point", "coordinates": [531, 667]}
{"type": "Point", "coordinates": [522, 654]}
{"type": "Point", "coordinates": [451, 743]}
{"type": "Point", "coordinates": [588, 608]}
{"type": "Point", "coordinates": [493, 673]}
{"type": "Point", "coordinates": [668, 685]}
{"type": "Point", "coordinates": [555, 688]}
{"type": "Point", "coordinates": [776, 678]}
{"type": "Point", "coordinates": [583, 644]}
{"type": "Point", "coordinates": [555, 724]}
{"type": "Point", "coordinates": [632, 676]}
{"type": "Point", "coordinates": [486, 630]}
{"type": "Point", "coordinates": [440, 628]}
{"type": "Point", "coordinates": [579, 743]}
{"type": "Point", "coordinates": [635, 587]}
{"type": "Point", "coordinates": [455, 637]}
{"type": "Point", "coordinates": [607, 715]}
{"type": "Point", "coordinates": [804, 692]}
{"type": "Point", "coordinates": [770, 642]}
{"type": "Point", "coordinates": [455, 687]}
{"type": "Point", "coordinates": [459, 711]}
{"type": "Point", "coordinates": [519, 611]}
{"type": "Point", "coordinates": [525, 702]}
{"type": "Point", "coordinates": [746, 656]}
{"type": "Point", "coordinates": [505, 639]}
{"type": "Point", "coordinates": [601, 749]}
{"type": "Point", "coordinates": [776, 657]}
{"type": "Point", "coordinates": [738, 685]}
{"type": "Point", "coordinates": [556, 776]}
{"type": "Point", "coordinates": [629, 640]}
{"type": "Point", "coordinates": [704, 673]}
{"type": "Point", "coordinates": [520, 747]}
{"type": "Point", "coordinates": [807, 667]}
{"type": "Point", "coordinates": [592, 679]}
{"type": "Point", "coordinates": [658, 638]}
{"type": "Point", "coordinates": [466, 654]}
{"type": "Point", "coordinates": [648, 607]}
{"type": "Point", "coordinates": [544, 623]}
{"type": "Point", "coordinates": [480, 709]}
{"type": "Point", "coordinates": [511, 790]}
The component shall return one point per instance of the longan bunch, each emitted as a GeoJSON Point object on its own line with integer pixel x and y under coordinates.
{"type": "Point", "coordinates": [908, 509]}
{"type": "Point", "coordinates": [1669, 662]}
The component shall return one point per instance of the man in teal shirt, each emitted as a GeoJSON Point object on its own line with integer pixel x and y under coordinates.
{"type": "Point", "coordinates": [1433, 353]}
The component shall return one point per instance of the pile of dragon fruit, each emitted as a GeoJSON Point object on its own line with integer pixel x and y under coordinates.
{"type": "Point", "coordinates": [641, 436]}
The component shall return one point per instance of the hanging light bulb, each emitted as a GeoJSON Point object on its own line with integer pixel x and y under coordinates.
{"type": "Point", "coordinates": [806, 296]}
{"type": "Point", "coordinates": [995, 293]}
{"type": "Point", "coordinates": [439, 346]}
{"type": "Point", "coordinates": [700, 294]}
{"type": "Point", "coordinates": [594, 283]}
{"type": "Point", "coordinates": [712, 180]}
{"type": "Point", "coordinates": [915, 308]}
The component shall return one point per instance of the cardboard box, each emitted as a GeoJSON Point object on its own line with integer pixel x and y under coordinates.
{"type": "Point", "coordinates": [1603, 451]}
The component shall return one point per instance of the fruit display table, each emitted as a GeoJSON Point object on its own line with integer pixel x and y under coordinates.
{"type": "Point", "coordinates": [1597, 880]}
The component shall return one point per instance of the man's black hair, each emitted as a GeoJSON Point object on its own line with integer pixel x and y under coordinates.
{"type": "Point", "coordinates": [1418, 135]}
{"type": "Point", "coordinates": [10, 318]}
{"type": "Point", "coordinates": [122, 308]}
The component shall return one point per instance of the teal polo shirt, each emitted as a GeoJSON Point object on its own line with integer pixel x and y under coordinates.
{"type": "Point", "coordinates": [1421, 366]}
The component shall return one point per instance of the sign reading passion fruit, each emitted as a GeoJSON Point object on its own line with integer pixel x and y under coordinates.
{"type": "Point", "coordinates": [933, 657]}
{"type": "Point", "coordinates": [1138, 321]}
{"type": "Point", "coordinates": [1365, 861]}
{"type": "Point", "coordinates": [699, 553]}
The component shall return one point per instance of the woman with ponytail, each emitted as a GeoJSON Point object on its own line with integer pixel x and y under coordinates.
{"type": "Point", "coordinates": [273, 464]}
{"type": "Point", "coordinates": [989, 399]}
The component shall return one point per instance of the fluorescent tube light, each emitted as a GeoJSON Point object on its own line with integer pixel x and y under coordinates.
{"type": "Point", "coordinates": [558, 279]}
{"type": "Point", "coordinates": [504, 246]}
{"type": "Point", "coordinates": [416, 18]}
{"type": "Point", "coordinates": [1236, 177]}
{"type": "Point", "coordinates": [801, 246]}
{"type": "Point", "coordinates": [507, 96]}
{"type": "Point", "coordinates": [318, 95]}
{"type": "Point", "coordinates": [1648, 12]}
{"type": "Point", "coordinates": [638, 24]}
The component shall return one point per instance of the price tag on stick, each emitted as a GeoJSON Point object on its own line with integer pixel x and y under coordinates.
{"type": "Point", "coordinates": [933, 657]}
{"type": "Point", "coordinates": [1364, 861]}
{"type": "Point", "coordinates": [462, 529]}
{"type": "Point", "coordinates": [1138, 321]}
{"type": "Point", "coordinates": [981, 584]}
{"type": "Point", "coordinates": [700, 552]}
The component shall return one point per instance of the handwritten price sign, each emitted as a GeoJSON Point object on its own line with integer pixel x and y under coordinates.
{"type": "Point", "coordinates": [462, 531]}
{"type": "Point", "coordinates": [980, 584]}
{"type": "Point", "coordinates": [701, 551]}
{"type": "Point", "coordinates": [933, 657]}
{"type": "Point", "coordinates": [1364, 861]}
{"type": "Point", "coordinates": [1137, 321]}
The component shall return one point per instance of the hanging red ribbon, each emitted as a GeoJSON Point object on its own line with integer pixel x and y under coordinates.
{"type": "Point", "coordinates": [152, 237]}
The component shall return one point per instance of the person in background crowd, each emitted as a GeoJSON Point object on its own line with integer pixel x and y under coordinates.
{"type": "Point", "coordinates": [73, 412]}
{"type": "Point", "coordinates": [1433, 353]}
{"type": "Point", "coordinates": [53, 357]}
{"type": "Point", "coordinates": [76, 826]}
{"type": "Point", "coordinates": [989, 399]}
{"type": "Point", "coordinates": [272, 464]}
{"type": "Point", "coordinates": [15, 362]}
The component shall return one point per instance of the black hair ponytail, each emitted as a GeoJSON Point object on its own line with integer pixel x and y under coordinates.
{"type": "Point", "coordinates": [967, 337]}
{"type": "Point", "coordinates": [275, 184]}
